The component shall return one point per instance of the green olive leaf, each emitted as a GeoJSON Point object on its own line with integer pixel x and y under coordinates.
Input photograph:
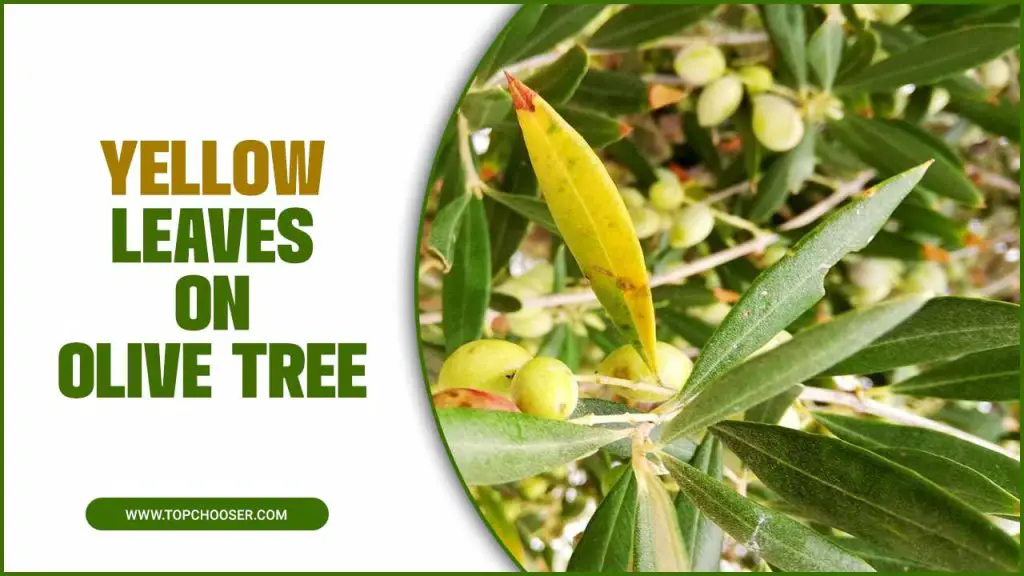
{"type": "Point", "coordinates": [944, 328]}
{"type": "Point", "coordinates": [596, 128]}
{"type": "Point", "coordinates": [493, 447]}
{"type": "Point", "coordinates": [989, 375]}
{"type": "Point", "coordinates": [774, 371]}
{"type": "Point", "coordinates": [1002, 118]}
{"type": "Point", "coordinates": [786, 174]}
{"type": "Point", "coordinates": [537, 29]}
{"type": "Point", "coordinates": [444, 230]}
{"type": "Point", "coordinates": [783, 292]}
{"type": "Point", "coordinates": [780, 540]}
{"type": "Point", "coordinates": [785, 25]}
{"type": "Point", "coordinates": [657, 541]}
{"type": "Point", "coordinates": [771, 410]}
{"type": "Point", "coordinates": [558, 81]}
{"type": "Point", "coordinates": [611, 92]}
{"type": "Point", "coordinates": [486, 108]}
{"type": "Point", "coordinates": [936, 58]}
{"type": "Point", "coordinates": [607, 542]}
{"type": "Point", "coordinates": [467, 286]}
{"type": "Point", "coordinates": [923, 220]}
{"type": "Point", "coordinates": [507, 226]}
{"type": "Point", "coordinates": [865, 495]}
{"type": "Point", "coordinates": [879, 557]}
{"type": "Point", "coordinates": [703, 538]}
{"type": "Point", "coordinates": [890, 148]}
{"type": "Point", "coordinates": [859, 55]}
{"type": "Point", "coordinates": [870, 434]}
{"type": "Point", "coordinates": [825, 52]}
{"type": "Point", "coordinates": [639, 24]}
{"type": "Point", "coordinates": [959, 480]}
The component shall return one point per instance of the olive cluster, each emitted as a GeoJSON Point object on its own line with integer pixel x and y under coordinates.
{"type": "Point", "coordinates": [665, 209]}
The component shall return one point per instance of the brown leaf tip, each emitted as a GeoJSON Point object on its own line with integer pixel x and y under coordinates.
{"type": "Point", "coordinates": [522, 95]}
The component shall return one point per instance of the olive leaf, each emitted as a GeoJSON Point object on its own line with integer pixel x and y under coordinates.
{"type": "Point", "coordinates": [591, 217]}
{"type": "Point", "coordinates": [537, 29]}
{"type": "Point", "coordinates": [944, 328]}
{"type": "Point", "coordinates": [785, 25]}
{"type": "Point", "coordinates": [658, 542]}
{"type": "Point", "coordinates": [870, 434]}
{"type": "Point", "coordinates": [792, 362]}
{"type": "Point", "coordinates": [780, 540]}
{"type": "Point", "coordinates": [780, 294]}
{"type": "Point", "coordinates": [888, 147]}
{"type": "Point", "coordinates": [1002, 118]}
{"type": "Point", "coordinates": [491, 447]}
{"type": "Point", "coordinates": [529, 207]}
{"type": "Point", "coordinates": [879, 557]}
{"type": "Point", "coordinates": [467, 286]}
{"type": "Point", "coordinates": [865, 495]}
{"type": "Point", "coordinates": [703, 538]}
{"type": "Point", "coordinates": [825, 52]}
{"type": "Point", "coordinates": [639, 24]}
{"type": "Point", "coordinates": [959, 480]}
{"type": "Point", "coordinates": [596, 128]}
{"type": "Point", "coordinates": [859, 55]}
{"type": "Point", "coordinates": [935, 59]}
{"type": "Point", "coordinates": [445, 229]}
{"type": "Point", "coordinates": [607, 542]}
{"type": "Point", "coordinates": [486, 108]}
{"type": "Point", "coordinates": [611, 92]}
{"type": "Point", "coordinates": [558, 81]}
{"type": "Point", "coordinates": [786, 174]}
{"type": "Point", "coordinates": [508, 226]}
{"type": "Point", "coordinates": [990, 375]}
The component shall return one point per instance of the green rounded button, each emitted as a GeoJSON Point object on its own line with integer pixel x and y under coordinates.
{"type": "Point", "coordinates": [206, 513]}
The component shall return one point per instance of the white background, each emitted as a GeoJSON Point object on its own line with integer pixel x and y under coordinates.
{"type": "Point", "coordinates": [377, 84]}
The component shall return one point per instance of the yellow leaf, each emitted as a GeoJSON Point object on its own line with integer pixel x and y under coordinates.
{"type": "Point", "coordinates": [591, 217]}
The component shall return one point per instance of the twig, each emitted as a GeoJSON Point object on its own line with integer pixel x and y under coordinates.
{"type": "Point", "coordinates": [898, 415]}
{"type": "Point", "coordinates": [1009, 282]}
{"type": "Point", "coordinates": [679, 273]}
{"type": "Point", "coordinates": [995, 181]}
{"type": "Point", "coordinates": [623, 383]}
{"type": "Point", "coordinates": [631, 418]}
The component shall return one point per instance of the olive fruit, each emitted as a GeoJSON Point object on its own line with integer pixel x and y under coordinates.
{"type": "Point", "coordinates": [719, 101]}
{"type": "Point", "coordinates": [533, 488]}
{"type": "Point", "coordinates": [487, 365]}
{"type": "Point", "coordinates": [869, 272]}
{"type": "Point", "coordinates": [777, 123]}
{"type": "Point", "coordinates": [646, 222]}
{"type": "Point", "coordinates": [469, 398]}
{"type": "Point", "coordinates": [700, 64]}
{"type": "Point", "coordinates": [995, 74]}
{"type": "Point", "coordinates": [674, 367]}
{"type": "Point", "coordinates": [756, 78]}
{"type": "Point", "coordinates": [691, 226]}
{"type": "Point", "coordinates": [712, 314]}
{"type": "Point", "coordinates": [667, 193]}
{"type": "Point", "coordinates": [532, 322]}
{"type": "Point", "coordinates": [545, 387]}
{"type": "Point", "coordinates": [926, 278]}
{"type": "Point", "coordinates": [540, 278]}
{"type": "Point", "coordinates": [632, 198]}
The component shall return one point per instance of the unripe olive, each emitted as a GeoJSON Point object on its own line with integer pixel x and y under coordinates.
{"type": "Point", "coordinates": [926, 278]}
{"type": "Point", "coordinates": [777, 123]}
{"type": "Point", "coordinates": [756, 78]}
{"type": "Point", "coordinates": [719, 101]}
{"type": "Point", "coordinates": [667, 193]}
{"type": "Point", "coordinates": [712, 314]}
{"type": "Point", "coordinates": [868, 295]}
{"type": "Point", "coordinates": [545, 387]}
{"type": "Point", "coordinates": [700, 64]}
{"type": "Point", "coordinates": [995, 74]}
{"type": "Point", "coordinates": [532, 323]}
{"type": "Point", "coordinates": [869, 272]}
{"type": "Point", "coordinates": [469, 398]}
{"type": "Point", "coordinates": [692, 225]}
{"type": "Point", "coordinates": [540, 278]}
{"type": "Point", "coordinates": [487, 365]}
{"type": "Point", "coordinates": [632, 198]}
{"type": "Point", "coordinates": [533, 488]}
{"type": "Point", "coordinates": [773, 254]}
{"type": "Point", "coordinates": [891, 13]}
{"type": "Point", "coordinates": [940, 98]}
{"type": "Point", "coordinates": [774, 343]}
{"type": "Point", "coordinates": [674, 367]}
{"type": "Point", "coordinates": [646, 222]}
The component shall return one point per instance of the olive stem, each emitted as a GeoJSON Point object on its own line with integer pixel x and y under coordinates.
{"type": "Point", "coordinates": [624, 383]}
{"type": "Point", "coordinates": [628, 418]}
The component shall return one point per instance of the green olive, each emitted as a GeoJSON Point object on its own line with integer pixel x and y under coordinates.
{"type": "Point", "coordinates": [719, 101]}
{"type": "Point", "coordinates": [777, 122]}
{"type": "Point", "coordinates": [487, 365]}
{"type": "Point", "coordinates": [532, 322]}
{"type": "Point", "coordinates": [533, 488]}
{"type": "Point", "coordinates": [995, 74]}
{"type": "Point", "coordinates": [667, 193]}
{"type": "Point", "coordinates": [674, 367]}
{"type": "Point", "coordinates": [756, 78]}
{"type": "Point", "coordinates": [692, 225]}
{"type": "Point", "coordinates": [545, 387]}
{"type": "Point", "coordinates": [469, 398]}
{"type": "Point", "coordinates": [700, 64]}
{"type": "Point", "coordinates": [926, 278]}
{"type": "Point", "coordinates": [646, 222]}
{"type": "Point", "coordinates": [632, 198]}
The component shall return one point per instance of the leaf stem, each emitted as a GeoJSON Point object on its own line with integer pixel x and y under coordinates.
{"type": "Point", "coordinates": [628, 418]}
{"type": "Point", "coordinates": [624, 383]}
